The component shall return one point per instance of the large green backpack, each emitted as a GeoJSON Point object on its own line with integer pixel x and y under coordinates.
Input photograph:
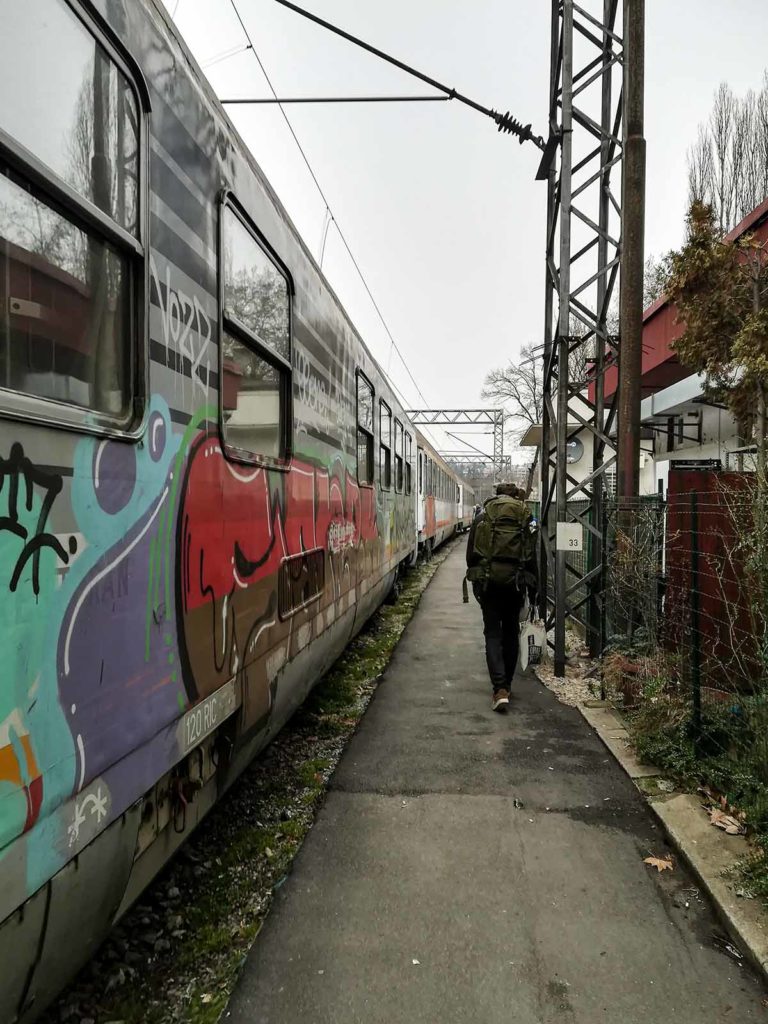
{"type": "Point", "coordinates": [505, 541]}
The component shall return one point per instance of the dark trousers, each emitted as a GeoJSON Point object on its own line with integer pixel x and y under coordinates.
{"type": "Point", "coordinates": [501, 609]}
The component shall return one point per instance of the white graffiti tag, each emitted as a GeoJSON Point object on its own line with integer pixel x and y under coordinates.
{"type": "Point", "coordinates": [96, 804]}
{"type": "Point", "coordinates": [183, 319]}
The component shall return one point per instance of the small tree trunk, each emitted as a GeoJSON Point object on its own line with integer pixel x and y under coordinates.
{"type": "Point", "coordinates": [760, 397]}
{"type": "Point", "coordinates": [761, 438]}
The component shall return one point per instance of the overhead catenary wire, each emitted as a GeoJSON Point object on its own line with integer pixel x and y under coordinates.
{"type": "Point", "coordinates": [233, 51]}
{"type": "Point", "coordinates": [324, 198]}
{"type": "Point", "coordinates": [504, 122]}
{"type": "Point", "coordinates": [256, 101]}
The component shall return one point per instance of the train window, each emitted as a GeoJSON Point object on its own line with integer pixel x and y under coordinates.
{"type": "Point", "coordinates": [70, 249]}
{"type": "Point", "coordinates": [255, 345]}
{"type": "Point", "coordinates": [256, 295]}
{"type": "Point", "coordinates": [66, 336]}
{"type": "Point", "coordinates": [364, 430]}
{"type": "Point", "coordinates": [399, 473]}
{"type": "Point", "coordinates": [421, 471]}
{"type": "Point", "coordinates": [385, 446]}
{"type": "Point", "coordinates": [81, 117]}
{"type": "Point", "coordinates": [408, 463]}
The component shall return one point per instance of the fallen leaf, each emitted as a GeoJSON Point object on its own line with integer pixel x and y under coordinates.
{"type": "Point", "coordinates": [660, 863]}
{"type": "Point", "coordinates": [726, 822]}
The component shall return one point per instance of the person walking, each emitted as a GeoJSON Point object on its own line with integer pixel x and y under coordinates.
{"type": "Point", "coordinates": [502, 568]}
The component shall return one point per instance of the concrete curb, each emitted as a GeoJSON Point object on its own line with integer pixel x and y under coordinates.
{"type": "Point", "coordinates": [707, 851]}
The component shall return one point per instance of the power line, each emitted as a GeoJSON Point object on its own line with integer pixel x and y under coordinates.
{"type": "Point", "coordinates": [225, 55]}
{"type": "Point", "coordinates": [504, 122]}
{"type": "Point", "coordinates": [318, 186]}
{"type": "Point", "coordinates": [331, 99]}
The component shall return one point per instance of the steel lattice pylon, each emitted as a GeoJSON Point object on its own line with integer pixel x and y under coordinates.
{"type": "Point", "coordinates": [453, 417]}
{"type": "Point", "coordinates": [583, 257]}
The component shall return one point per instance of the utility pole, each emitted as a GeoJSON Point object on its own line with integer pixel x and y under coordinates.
{"type": "Point", "coordinates": [583, 255]}
{"type": "Point", "coordinates": [633, 252]}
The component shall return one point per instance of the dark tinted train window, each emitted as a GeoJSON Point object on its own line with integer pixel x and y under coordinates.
{"type": "Point", "coordinates": [399, 472]}
{"type": "Point", "coordinates": [255, 345]}
{"type": "Point", "coordinates": [408, 463]}
{"type": "Point", "coordinates": [65, 296]}
{"type": "Point", "coordinates": [68, 103]}
{"type": "Point", "coordinates": [385, 445]}
{"type": "Point", "coordinates": [364, 430]}
{"type": "Point", "coordinates": [301, 580]}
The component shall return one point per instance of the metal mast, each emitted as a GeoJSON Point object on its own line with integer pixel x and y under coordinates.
{"type": "Point", "coordinates": [493, 418]}
{"type": "Point", "coordinates": [583, 258]}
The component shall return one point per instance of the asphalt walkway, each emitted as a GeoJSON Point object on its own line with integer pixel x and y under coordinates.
{"type": "Point", "coordinates": [473, 867]}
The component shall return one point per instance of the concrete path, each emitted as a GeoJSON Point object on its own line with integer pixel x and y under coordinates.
{"type": "Point", "coordinates": [473, 867]}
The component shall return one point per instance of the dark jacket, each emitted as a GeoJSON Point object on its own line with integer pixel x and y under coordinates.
{"type": "Point", "coordinates": [531, 568]}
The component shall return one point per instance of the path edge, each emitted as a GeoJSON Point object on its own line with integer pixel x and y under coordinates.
{"type": "Point", "coordinates": [708, 852]}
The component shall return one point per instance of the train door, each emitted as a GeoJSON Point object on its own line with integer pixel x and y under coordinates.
{"type": "Point", "coordinates": [421, 516]}
{"type": "Point", "coordinates": [460, 506]}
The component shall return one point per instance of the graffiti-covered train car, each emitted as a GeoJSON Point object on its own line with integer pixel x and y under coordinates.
{"type": "Point", "coordinates": [206, 482]}
{"type": "Point", "coordinates": [442, 498]}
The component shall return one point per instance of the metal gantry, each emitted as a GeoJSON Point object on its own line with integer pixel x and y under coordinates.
{"type": "Point", "coordinates": [583, 259]}
{"type": "Point", "coordinates": [467, 417]}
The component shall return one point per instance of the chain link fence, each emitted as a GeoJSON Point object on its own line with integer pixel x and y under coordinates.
{"type": "Point", "coordinates": [685, 618]}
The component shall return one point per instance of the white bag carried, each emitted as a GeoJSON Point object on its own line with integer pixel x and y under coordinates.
{"type": "Point", "coordinates": [533, 643]}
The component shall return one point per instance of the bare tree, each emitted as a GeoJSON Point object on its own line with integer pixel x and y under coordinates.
{"type": "Point", "coordinates": [519, 387]}
{"type": "Point", "coordinates": [728, 163]}
{"type": "Point", "coordinates": [655, 278]}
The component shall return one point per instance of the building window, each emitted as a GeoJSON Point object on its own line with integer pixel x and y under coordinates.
{"type": "Point", "coordinates": [70, 244]}
{"type": "Point", "coordinates": [408, 463]}
{"type": "Point", "coordinates": [385, 446]}
{"type": "Point", "coordinates": [255, 345]}
{"type": "Point", "coordinates": [364, 430]}
{"type": "Point", "coordinates": [399, 472]}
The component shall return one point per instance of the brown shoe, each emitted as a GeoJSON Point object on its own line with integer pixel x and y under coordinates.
{"type": "Point", "coordinates": [500, 701]}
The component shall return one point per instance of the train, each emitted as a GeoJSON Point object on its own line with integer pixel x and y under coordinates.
{"type": "Point", "coordinates": [207, 483]}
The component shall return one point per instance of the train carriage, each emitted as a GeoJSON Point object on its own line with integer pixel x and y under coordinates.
{"type": "Point", "coordinates": [442, 498]}
{"type": "Point", "coordinates": [207, 483]}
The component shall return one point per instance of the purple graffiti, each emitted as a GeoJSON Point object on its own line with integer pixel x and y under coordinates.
{"type": "Point", "coordinates": [114, 474]}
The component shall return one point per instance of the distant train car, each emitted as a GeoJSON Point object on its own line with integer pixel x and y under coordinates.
{"type": "Point", "coordinates": [207, 484]}
{"type": "Point", "coordinates": [466, 506]}
{"type": "Point", "coordinates": [442, 508]}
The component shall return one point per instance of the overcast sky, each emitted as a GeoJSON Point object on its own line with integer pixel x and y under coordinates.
{"type": "Point", "coordinates": [443, 213]}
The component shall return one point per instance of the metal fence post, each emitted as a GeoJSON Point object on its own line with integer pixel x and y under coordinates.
{"type": "Point", "coordinates": [694, 611]}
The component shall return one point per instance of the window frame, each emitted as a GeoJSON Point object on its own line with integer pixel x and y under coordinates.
{"type": "Point", "coordinates": [247, 337]}
{"type": "Point", "coordinates": [408, 442]}
{"type": "Point", "coordinates": [371, 434]}
{"type": "Point", "coordinates": [47, 187]}
{"type": "Point", "coordinates": [383, 446]}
